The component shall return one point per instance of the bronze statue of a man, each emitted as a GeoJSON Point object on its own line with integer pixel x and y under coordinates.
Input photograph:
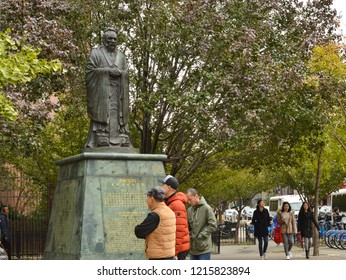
{"type": "Point", "coordinates": [107, 83]}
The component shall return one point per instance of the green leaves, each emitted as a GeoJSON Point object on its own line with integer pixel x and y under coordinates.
{"type": "Point", "coordinates": [326, 59]}
{"type": "Point", "coordinates": [19, 64]}
{"type": "Point", "coordinates": [230, 78]}
{"type": "Point", "coordinates": [6, 109]}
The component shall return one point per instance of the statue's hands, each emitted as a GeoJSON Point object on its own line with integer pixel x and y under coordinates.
{"type": "Point", "coordinates": [115, 72]}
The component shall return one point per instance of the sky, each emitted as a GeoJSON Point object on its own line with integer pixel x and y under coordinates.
{"type": "Point", "coordinates": [340, 6]}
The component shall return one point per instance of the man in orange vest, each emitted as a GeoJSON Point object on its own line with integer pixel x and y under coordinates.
{"type": "Point", "coordinates": [158, 228]}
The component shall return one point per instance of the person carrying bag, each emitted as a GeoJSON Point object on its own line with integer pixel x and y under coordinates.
{"type": "Point", "coordinates": [277, 234]}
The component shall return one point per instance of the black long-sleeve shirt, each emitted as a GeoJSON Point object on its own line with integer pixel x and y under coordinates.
{"type": "Point", "coordinates": [4, 229]}
{"type": "Point", "coordinates": [305, 221]}
{"type": "Point", "coordinates": [261, 221]}
{"type": "Point", "coordinates": [150, 223]}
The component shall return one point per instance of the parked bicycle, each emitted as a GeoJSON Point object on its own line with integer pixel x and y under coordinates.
{"type": "Point", "coordinates": [250, 231]}
{"type": "Point", "coordinates": [336, 239]}
{"type": "Point", "coordinates": [271, 231]}
{"type": "Point", "coordinates": [336, 236]}
{"type": "Point", "coordinates": [225, 231]}
{"type": "Point", "coordinates": [324, 225]}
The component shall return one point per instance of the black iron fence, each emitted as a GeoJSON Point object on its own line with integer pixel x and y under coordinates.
{"type": "Point", "coordinates": [28, 203]}
{"type": "Point", "coordinates": [228, 234]}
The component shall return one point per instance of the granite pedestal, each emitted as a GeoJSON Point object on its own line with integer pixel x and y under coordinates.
{"type": "Point", "coordinates": [99, 199]}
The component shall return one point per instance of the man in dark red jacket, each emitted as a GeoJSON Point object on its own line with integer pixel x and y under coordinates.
{"type": "Point", "coordinates": [176, 201]}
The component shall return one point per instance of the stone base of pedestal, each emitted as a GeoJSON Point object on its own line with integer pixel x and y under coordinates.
{"type": "Point", "coordinates": [99, 199]}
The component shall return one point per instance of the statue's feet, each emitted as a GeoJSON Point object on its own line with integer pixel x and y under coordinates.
{"type": "Point", "coordinates": [122, 140]}
{"type": "Point", "coordinates": [102, 142]}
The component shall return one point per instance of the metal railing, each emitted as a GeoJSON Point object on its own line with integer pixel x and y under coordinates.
{"type": "Point", "coordinates": [28, 214]}
{"type": "Point", "coordinates": [228, 234]}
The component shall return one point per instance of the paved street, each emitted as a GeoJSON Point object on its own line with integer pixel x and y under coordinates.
{"type": "Point", "coordinates": [274, 252]}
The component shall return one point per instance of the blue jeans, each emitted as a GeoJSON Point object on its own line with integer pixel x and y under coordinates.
{"type": "Point", "coordinates": [171, 258]}
{"type": "Point", "coordinates": [182, 255]}
{"type": "Point", "coordinates": [262, 244]}
{"type": "Point", "coordinates": [205, 256]}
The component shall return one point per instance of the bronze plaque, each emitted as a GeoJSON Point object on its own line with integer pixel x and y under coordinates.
{"type": "Point", "coordinates": [124, 206]}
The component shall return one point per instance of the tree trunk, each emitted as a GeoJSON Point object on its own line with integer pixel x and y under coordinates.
{"type": "Point", "coordinates": [317, 193]}
{"type": "Point", "coordinates": [237, 227]}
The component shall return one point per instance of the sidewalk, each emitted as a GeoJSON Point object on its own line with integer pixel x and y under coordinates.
{"type": "Point", "coordinates": [274, 252]}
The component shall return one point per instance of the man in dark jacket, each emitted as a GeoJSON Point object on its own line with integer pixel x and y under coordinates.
{"type": "Point", "coordinates": [5, 231]}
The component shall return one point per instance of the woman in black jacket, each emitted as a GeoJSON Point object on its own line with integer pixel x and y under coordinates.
{"type": "Point", "coordinates": [305, 221]}
{"type": "Point", "coordinates": [261, 221]}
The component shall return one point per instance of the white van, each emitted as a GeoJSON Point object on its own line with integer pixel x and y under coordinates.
{"type": "Point", "coordinates": [338, 199]}
{"type": "Point", "coordinates": [275, 203]}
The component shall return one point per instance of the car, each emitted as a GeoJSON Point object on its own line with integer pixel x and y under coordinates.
{"type": "Point", "coordinates": [230, 215]}
{"type": "Point", "coordinates": [325, 209]}
{"type": "Point", "coordinates": [325, 213]}
{"type": "Point", "coordinates": [249, 212]}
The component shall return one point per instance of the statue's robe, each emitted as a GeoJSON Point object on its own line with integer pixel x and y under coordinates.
{"type": "Point", "coordinates": [107, 98]}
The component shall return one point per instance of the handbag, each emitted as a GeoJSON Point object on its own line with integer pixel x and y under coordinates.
{"type": "Point", "coordinates": [300, 239]}
{"type": "Point", "coordinates": [277, 234]}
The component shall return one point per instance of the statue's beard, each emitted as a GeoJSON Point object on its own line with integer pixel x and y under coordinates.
{"type": "Point", "coordinates": [110, 47]}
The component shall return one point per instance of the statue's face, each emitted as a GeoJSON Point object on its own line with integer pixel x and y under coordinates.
{"type": "Point", "coordinates": [110, 39]}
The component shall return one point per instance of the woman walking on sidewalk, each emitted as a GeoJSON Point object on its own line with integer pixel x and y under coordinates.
{"type": "Point", "coordinates": [305, 221]}
{"type": "Point", "coordinates": [288, 227]}
{"type": "Point", "coordinates": [261, 221]}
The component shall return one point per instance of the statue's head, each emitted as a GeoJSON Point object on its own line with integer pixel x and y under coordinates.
{"type": "Point", "coordinates": [110, 38]}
